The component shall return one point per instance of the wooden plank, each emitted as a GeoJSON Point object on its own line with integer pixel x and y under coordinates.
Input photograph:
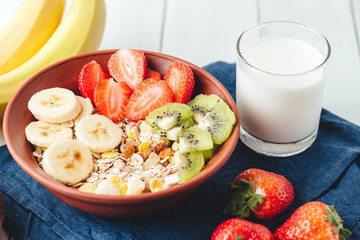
{"type": "Point", "coordinates": [355, 10]}
{"type": "Point", "coordinates": [333, 19]}
{"type": "Point", "coordinates": [205, 31]}
{"type": "Point", "coordinates": [133, 24]}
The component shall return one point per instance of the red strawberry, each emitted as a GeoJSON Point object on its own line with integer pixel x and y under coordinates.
{"type": "Point", "coordinates": [90, 75]}
{"type": "Point", "coordinates": [152, 74]}
{"type": "Point", "coordinates": [111, 99]}
{"type": "Point", "coordinates": [107, 73]}
{"type": "Point", "coordinates": [263, 193]}
{"type": "Point", "coordinates": [129, 66]}
{"type": "Point", "coordinates": [180, 79]}
{"type": "Point", "coordinates": [236, 229]}
{"type": "Point", "coordinates": [150, 95]}
{"type": "Point", "coordinates": [313, 220]}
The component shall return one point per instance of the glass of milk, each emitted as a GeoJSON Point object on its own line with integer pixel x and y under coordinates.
{"type": "Point", "coordinates": [280, 80]}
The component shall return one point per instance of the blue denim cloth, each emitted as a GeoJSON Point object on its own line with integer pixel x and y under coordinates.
{"type": "Point", "coordinates": [328, 171]}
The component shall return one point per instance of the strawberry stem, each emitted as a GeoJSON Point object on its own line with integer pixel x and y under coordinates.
{"type": "Point", "coordinates": [242, 198]}
{"type": "Point", "coordinates": [238, 237]}
{"type": "Point", "coordinates": [335, 219]}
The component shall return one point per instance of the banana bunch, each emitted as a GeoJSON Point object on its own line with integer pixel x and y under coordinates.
{"type": "Point", "coordinates": [30, 28]}
{"type": "Point", "coordinates": [80, 31]}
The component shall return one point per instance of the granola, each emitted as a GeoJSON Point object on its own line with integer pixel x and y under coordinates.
{"type": "Point", "coordinates": [140, 157]}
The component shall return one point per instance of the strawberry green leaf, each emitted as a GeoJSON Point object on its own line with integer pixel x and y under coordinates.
{"type": "Point", "coordinates": [252, 203]}
{"type": "Point", "coordinates": [335, 219]}
{"type": "Point", "coordinates": [238, 237]}
{"type": "Point", "coordinates": [344, 233]}
{"type": "Point", "coordinates": [250, 186]}
{"type": "Point", "coordinates": [258, 197]}
{"type": "Point", "coordinates": [242, 198]}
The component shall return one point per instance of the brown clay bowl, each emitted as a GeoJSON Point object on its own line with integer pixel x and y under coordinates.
{"type": "Point", "coordinates": [64, 74]}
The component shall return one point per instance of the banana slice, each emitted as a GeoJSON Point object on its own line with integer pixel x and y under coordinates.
{"type": "Point", "coordinates": [108, 188]}
{"type": "Point", "coordinates": [67, 161]}
{"type": "Point", "coordinates": [135, 186]}
{"type": "Point", "coordinates": [43, 134]}
{"type": "Point", "coordinates": [86, 107]}
{"type": "Point", "coordinates": [54, 105]}
{"type": "Point", "coordinates": [98, 133]}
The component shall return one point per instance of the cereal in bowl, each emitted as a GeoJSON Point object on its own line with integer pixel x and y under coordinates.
{"type": "Point", "coordinates": [127, 134]}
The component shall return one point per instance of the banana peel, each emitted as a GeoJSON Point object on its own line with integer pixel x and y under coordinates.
{"type": "Point", "coordinates": [2, 111]}
{"type": "Point", "coordinates": [80, 31]}
{"type": "Point", "coordinates": [32, 25]}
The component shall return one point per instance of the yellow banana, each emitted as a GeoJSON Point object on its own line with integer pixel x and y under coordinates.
{"type": "Point", "coordinates": [32, 25]}
{"type": "Point", "coordinates": [80, 31]}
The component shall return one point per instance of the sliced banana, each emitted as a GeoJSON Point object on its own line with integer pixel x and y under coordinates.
{"type": "Point", "coordinates": [43, 134]}
{"type": "Point", "coordinates": [135, 186]}
{"type": "Point", "coordinates": [171, 179]}
{"type": "Point", "coordinates": [108, 188]}
{"type": "Point", "coordinates": [86, 107]}
{"type": "Point", "coordinates": [67, 161]}
{"type": "Point", "coordinates": [98, 133]}
{"type": "Point", "coordinates": [54, 105]}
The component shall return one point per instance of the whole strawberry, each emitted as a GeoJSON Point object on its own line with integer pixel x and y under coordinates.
{"type": "Point", "coordinates": [260, 193]}
{"type": "Point", "coordinates": [240, 229]}
{"type": "Point", "coordinates": [313, 220]}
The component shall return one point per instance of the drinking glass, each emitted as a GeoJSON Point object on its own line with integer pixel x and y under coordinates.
{"type": "Point", "coordinates": [280, 81]}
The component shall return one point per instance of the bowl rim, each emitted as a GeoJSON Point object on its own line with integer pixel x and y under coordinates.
{"type": "Point", "coordinates": [53, 185]}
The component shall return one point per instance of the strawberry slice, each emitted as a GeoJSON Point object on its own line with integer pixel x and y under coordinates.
{"type": "Point", "coordinates": [152, 74]}
{"type": "Point", "coordinates": [106, 73]}
{"type": "Point", "coordinates": [181, 81]}
{"type": "Point", "coordinates": [128, 65]}
{"type": "Point", "coordinates": [90, 75]}
{"type": "Point", "coordinates": [150, 95]}
{"type": "Point", "coordinates": [111, 99]}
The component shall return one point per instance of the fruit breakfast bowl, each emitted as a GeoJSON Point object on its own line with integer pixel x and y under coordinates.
{"type": "Point", "coordinates": [65, 74]}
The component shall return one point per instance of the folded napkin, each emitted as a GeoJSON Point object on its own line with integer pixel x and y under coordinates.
{"type": "Point", "coordinates": [328, 171]}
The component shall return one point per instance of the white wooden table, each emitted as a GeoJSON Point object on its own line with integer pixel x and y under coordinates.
{"type": "Point", "coordinates": [205, 31]}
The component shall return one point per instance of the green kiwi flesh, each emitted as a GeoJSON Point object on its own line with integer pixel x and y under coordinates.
{"type": "Point", "coordinates": [195, 139]}
{"type": "Point", "coordinates": [209, 153]}
{"type": "Point", "coordinates": [171, 134]}
{"type": "Point", "coordinates": [212, 114]}
{"type": "Point", "coordinates": [175, 132]}
{"type": "Point", "coordinates": [188, 164]}
{"type": "Point", "coordinates": [169, 115]}
{"type": "Point", "coordinates": [202, 104]}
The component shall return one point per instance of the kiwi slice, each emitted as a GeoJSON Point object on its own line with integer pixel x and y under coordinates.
{"type": "Point", "coordinates": [209, 153]}
{"type": "Point", "coordinates": [195, 139]}
{"type": "Point", "coordinates": [186, 123]}
{"type": "Point", "coordinates": [169, 115]}
{"type": "Point", "coordinates": [171, 134]}
{"type": "Point", "coordinates": [188, 164]}
{"type": "Point", "coordinates": [202, 104]}
{"type": "Point", "coordinates": [175, 132]}
{"type": "Point", "coordinates": [212, 114]}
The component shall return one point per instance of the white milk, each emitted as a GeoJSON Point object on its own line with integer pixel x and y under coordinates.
{"type": "Point", "coordinates": [280, 104]}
